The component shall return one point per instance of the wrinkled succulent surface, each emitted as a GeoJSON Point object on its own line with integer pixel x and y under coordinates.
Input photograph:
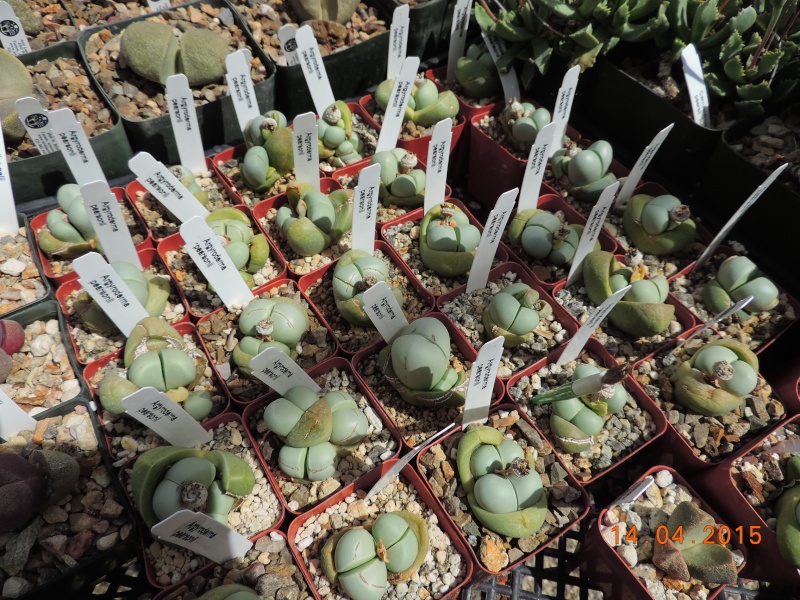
{"type": "Point", "coordinates": [426, 105]}
{"type": "Point", "coordinates": [515, 313]}
{"type": "Point", "coordinates": [402, 184]}
{"type": "Point", "coordinates": [355, 272]}
{"type": "Point", "coordinates": [658, 225]}
{"type": "Point", "coordinates": [585, 171]}
{"type": "Point", "coordinates": [313, 221]}
{"type": "Point", "coordinates": [737, 278]}
{"type": "Point", "coordinates": [447, 240]}
{"type": "Point", "coordinates": [340, 11]}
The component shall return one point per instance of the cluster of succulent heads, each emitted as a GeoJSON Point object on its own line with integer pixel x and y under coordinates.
{"type": "Point", "coordinates": [585, 171]}
{"type": "Point", "coordinates": [545, 236]}
{"type": "Point", "coordinates": [737, 278]}
{"type": "Point", "coordinates": [269, 155]}
{"type": "Point", "coordinates": [15, 83]}
{"type": "Point", "coordinates": [12, 338]}
{"type": "Point", "coordinates": [355, 272]}
{"type": "Point", "coordinates": [68, 231]}
{"type": "Point", "coordinates": [476, 73]}
{"type": "Point", "coordinates": [515, 313]}
{"type": "Point", "coordinates": [504, 490]}
{"type": "Point", "coordinates": [658, 224]}
{"type": "Point", "coordinates": [313, 221]}
{"type": "Point", "coordinates": [169, 479]}
{"type": "Point", "coordinates": [315, 431]}
{"type": "Point", "coordinates": [522, 122]}
{"type": "Point", "coordinates": [189, 181]}
{"type": "Point", "coordinates": [155, 355]}
{"type": "Point", "coordinates": [339, 144]}
{"type": "Point", "coordinates": [362, 561]}
{"type": "Point", "coordinates": [402, 183]}
{"type": "Point", "coordinates": [787, 512]}
{"type": "Point", "coordinates": [249, 251]}
{"type": "Point", "coordinates": [426, 105]}
{"type": "Point", "coordinates": [447, 240]}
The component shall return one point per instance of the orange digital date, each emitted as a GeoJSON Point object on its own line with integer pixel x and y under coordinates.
{"type": "Point", "coordinates": [721, 535]}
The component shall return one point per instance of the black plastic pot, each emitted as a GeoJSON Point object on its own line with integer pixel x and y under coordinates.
{"type": "Point", "coordinates": [217, 120]}
{"type": "Point", "coordinates": [40, 176]}
{"type": "Point", "coordinates": [429, 30]}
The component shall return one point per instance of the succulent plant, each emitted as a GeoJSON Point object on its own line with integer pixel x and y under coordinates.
{"type": "Point", "coordinates": [269, 323]}
{"type": "Point", "coordinates": [504, 490]}
{"type": "Point", "coordinates": [363, 561]}
{"type": "Point", "coordinates": [339, 145]}
{"type": "Point", "coordinates": [30, 485]}
{"type": "Point", "coordinates": [355, 272]}
{"type": "Point", "coordinates": [426, 105]}
{"type": "Point", "coordinates": [314, 430]}
{"type": "Point", "coordinates": [447, 240]}
{"type": "Point", "coordinates": [339, 12]}
{"type": "Point", "coordinates": [230, 591]}
{"type": "Point", "coordinates": [522, 122]}
{"type": "Point", "coordinates": [585, 171]}
{"type": "Point", "coordinates": [69, 232]}
{"type": "Point", "coordinates": [187, 178]}
{"type": "Point", "coordinates": [313, 220]}
{"type": "Point", "coordinates": [658, 225]}
{"type": "Point", "coordinates": [402, 184]}
{"type": "Point", "coordinates": [152, 51]}
{"type": "Point", "coordinates": [15, 83]}
{"type": "Point", "coordinates": [787, 511]}
{"type": "Point", "coordinates": [12, 338]}
{"type": "Point", "coordinates": [167, 479]}
{"type": "Point", "coordinates": [476, 73]}
{"type": "Point", "coordinates": [691, 551]}
{"type": "Point", "coordinates": [156, 356]}
{"type": "Point", "coordinates": [737, 278]}
{"type": "Point", "coordinates": [416, 363]}
{"type": "Point", "coordinates": [31, 23]}
{"type": "Point", "coordinates": [515, 313]}
{"type": "Point", "coordinates": [269, 156]}
{"type": "Point", "coordinates": [717, 379]}
{"type": "Point", "coordinates": [545, 236]}
{"type": "Point", "coordinates": [642, 312]}
{"type": "Point", "coordinates": [248, 251]}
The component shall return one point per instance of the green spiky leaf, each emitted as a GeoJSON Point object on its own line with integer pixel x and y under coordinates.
{"type": "Point", "coordinates": [735, 70]}
{"type": "Point", "coordinates": [731, 47]}
{"type": "Point", "coordinates": [754, 91]}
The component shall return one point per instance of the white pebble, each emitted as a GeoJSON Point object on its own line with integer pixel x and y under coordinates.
{"type": "Point", "coordinates": [663, 478]}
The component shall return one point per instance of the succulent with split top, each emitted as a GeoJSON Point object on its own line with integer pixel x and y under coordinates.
{"type": "Point", "coordinates": [447, 240]}
{"type": "Point", "coordinates": [426, 105]}
{"type": "Point", "coordinates": [476, 73]}
{"type": "Point", "coordinates": [355, 272]}
{"type": "Point", "coordinates": [658, 225]}
{"type": "Point", "coordinates": [339, 145]}
{"type": "Point", "coordinates": [514, 314]}
{"type": "Point", "coordinates": [313, 220]}
{"type": "Point", "coordinates": [585, 171]}
{"type": "Point", "coordinates": [737, 278]}
{"type": "Point", "coordinates": [522, 122]}
{"type": "Point", "coordinates": [546, 236]}
{"type": "Point", "coordinates": [269, 153]}
{"type": "Point", "coordinates": [402, 184]}
{"type": "Point", "coordinates": [249, 251]}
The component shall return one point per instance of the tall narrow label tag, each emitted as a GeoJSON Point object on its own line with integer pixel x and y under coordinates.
{"type": "Point", "coordinates": [166, 417]}
{"type": "Point", "coordinates": [365, 208]}
{"type": "Point", "coordinates": [458, 36]}
{"type": "Point", "coordinates": [12, 418]}
{"type": "Point", "coordinates": [306, 149]}
{"type": "Point", "coordinates": [398, 42]}
{"type": "Point", "coordinates": [166, 188]}
{"type": "Point", "coordinates": [286, 36]}
{"type": "Point", "coordinates": [508, 80]}
{"type": "Point", "coordinates": [202, 535]}
{"type": "Point", "coordinates": [709, 251]}
{"type": "Point", "coordinates": [490, 240]}
{"type": "Point", "coordinates": [579, 340]}
{"type": "Point", "coordinates": [720, 317]}
{"type": "Point", "coordinates": [280, 372]}
{"type": "Point", "coordinates": [313, 69]}
{"type": "Point", "coordinates": [183, 116]}
{"type": "Point", "coordinates": [156, 5]}
{"type": "Point", "coordinates": [438, 161]}
{"type": "Point", "coordinates": [109, 223]}
{"type": "Point", "coordinates": [36, 121]}
{"type": "Point", "coordinates": [74, 146]}
{"type": "Point", "coordinates": [206, 250]}
{"type": "Point", "coordinates": [384, 311]}
{"type": "Point", "coordinates": [563, 107]}
{"type": "Point", "coordinates": [635, 176]}
{"type": "Point", "coordinates": [240, 86]}
{"type": "Point", "coordinates": [481, 382]}
{"type": "Point", "coordinates": [534, 171]}
{"type": "Point", "coordinates": [594, 225]}
{"type": "Point", "coordinates": [11, 33]}
{"type": "Point", "coordinates": [111, 293]}
{"type": "Point", "coordinates": [696, 85]}
{"type": "Point", "coordinates": [8, 210]}
{"type": "Point", "coordinates": [396, 110]}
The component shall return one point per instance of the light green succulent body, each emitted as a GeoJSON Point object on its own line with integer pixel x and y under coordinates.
{"type": "Point", "coordinates": [658, 225]}
{"type": "Point", "coordinates": [476, 73]}
{"type": "Point", "coordinates": [338, 11]}
{"type": "Point", "coordinates": [269, 155]}
{"type": "Point", "coordinates": [339, 145]}
{"type": "Point", "coordinates": [426, 105]}
{"type": "Point", "coordinates": [447, 240]}
{"type": "Point", "coordinates": [15, 83]}
{"type": "Point", "coordinates": [356, 272]}
{"type": "Point", "coordinates": [787, 511]}
{"type": "Point", "coordinates": [586, 171]}
{"type": "Point", "coordinates": [248, 251]}
{"type": "Point", "coordinates": [515, 313]}
{"type": "Point", "coordinates": [543, 236]}
{"type": "Point", "coordinates": [69, 231]}
{"type": "Point", "coordinates": [522, 122]}
{"type": "Point", "coordinates": [230, 591]}
{"type": "Point", "coordinates": [737, 278]}
{"type": "Point", "coordinates": [401, 183]}
{"type": "Point", "coordinates": [313, 220]}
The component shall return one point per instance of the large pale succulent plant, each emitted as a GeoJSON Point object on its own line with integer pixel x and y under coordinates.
{"type": "Point", "coordinates": [515, 313]}
{"type": "Point", "coordinates": [69, 231]}
{"type": "Point", "coordinates": [402, 184]}
{"type": "Point", "coordinates": [585, 171]}
{"type": "Point", "coordinates": [313, 220]}
{"type": "Point", "coordinates": [249, 251]}
{"type": "Point", "coordinates": [737, 278]}
{"type": "Point", "coordinates": [15, 83]}
{"type": "Point", "coordinates": [544, 236]}
{"type": "Point", "coordinates": [447, 240]}
{"type": "Point", "coordinates": [787, 511]}
{"type": "Point", "coordinates": [269, 155]}
{"type": "Point", "coordinates": [230, 591]}
{"type": "Point", "coordinates": [32, 23]}
{"type": "Point", "coordinates": [522, 122]}
{"type": "Point", "coordinates": [339, 145]}
{"type": "Point", "coordinates": [426, 105]}
{"type": "Point", "coordinates": [658, 225]}
{"type": "Point", "coordinates": [355, 272]}
{"type": "Point", "coordinates": [340, 11]}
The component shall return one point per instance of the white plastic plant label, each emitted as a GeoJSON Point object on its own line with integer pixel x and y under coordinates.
{"type": "Point", "coordinates": [208, 254]}
{"type": "Point", "coordinates": [306, 149]}
{"type": "Point", "coordinates": [202, 535]}
{"type": "Point", "coordinates": [508, 80]}
{"type": "Point", "coordinates": [314, 71]}
{"type": "Point", "coordinates": [481, 382]}
{"type": "Point", "coordinates": [111, 293]}
{"type": "Point", "coordinates": [240, 86]}
{"type": "Point", "coordinates": [490, 240]}
{"type": "Point", "coordinates": [36, 121]}
{"type": "Point", "coordinates": [384, 311]}
{"type": "Point", "coordinates": [438, 161]}
{"type": "Point", "coordinates": [165, 417]}
{"type": "Point", "coordinates": [563, 107]}
{"type": "Point", "coordinates": [183, 116]}
{"type": "Point", "coordinates": [109, 223]}
{"type": "Point", "coordinates": [12, 418]}
{"type": "Point", "coordinates": [458, 36]}
{"type": "Point", "coordinates": [534, 170]}
{"type": "Point", "coordinates": [398, 40]}
{"type": "Point", "coordinates": [579, 340]}
{"type": "Point", "coordinates": [696, 84]}
{"type": "Point", "coordinates": [365, 208]}
{"type": "Point", "coordinates": [11, 33]}
{"type": "Point", "coordinates": [280, 372]}
{"type": "Point", "coordinates": [286, 36]}
{"type": "Point", "coordinates": [709, 251]}
{"type": "Point", "coordinates": [8, 210]}
{"type": "Point", "coordinates": [75, 147]}
{"type": "Point", "coordinates": [156, 5]}
{"type": "Point", "coordinates": [720, 317]}
{"type": "Point", "coordinates": [635, 176]}
{"type": "Point", "coordinates": [396, 110]}
{"type": "Point", "coordinates": [594, 225]}
{"type": "Point", "coordinates": [166, 188]}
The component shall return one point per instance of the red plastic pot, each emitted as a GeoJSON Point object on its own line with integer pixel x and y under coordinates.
{"type": "Point", "coordinates": [253, 411]}
{"type": "Point", "coordinates": [462, 536]}
{"type": "Point", "coordinates": [595, 348]}
{"type": "Point", "coordinates": [610, 572]}
{"type": "Point", "coordinates": [363, 484]}
{"type": "Point", "coordinates": [40, 221]}
{"type": "Point", "coordinates": [443, 416]}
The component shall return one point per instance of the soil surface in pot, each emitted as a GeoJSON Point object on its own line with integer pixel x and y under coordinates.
{"type": "Point", "coordinates": [20, 281]}
{"type": "Point", "coordinates": [56, 24]}
{"type": "Point", "coordinates": [231, 168]}
{"type": "Point", "coordinates": [88, 13]}
{"type": "Point", "coordinates": [491, 126]}
{"type": "Point", "coordinates": [384, 214]}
